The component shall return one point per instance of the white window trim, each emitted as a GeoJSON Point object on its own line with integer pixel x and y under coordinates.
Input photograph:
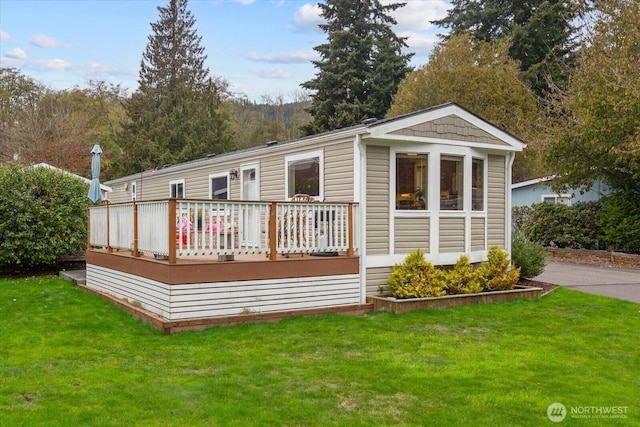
{"type": "Point", "coordinates": [304, 156]}
{"type": "Point", "coordinates": [220, 175]}
{"type": "Point", "coordinates": [178, 181]}
{"type": "Point", "coordinates": [244, 167]}
{"type": "Point", "coordinates": [556, 197]}
{"type": "Point", "coordinates": [134, 191]}
{"type": "Point", "coordinates": [408, 213]}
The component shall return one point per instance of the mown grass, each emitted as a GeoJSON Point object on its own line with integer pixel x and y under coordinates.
{"type": "Point", "coordinates": [68, 357]}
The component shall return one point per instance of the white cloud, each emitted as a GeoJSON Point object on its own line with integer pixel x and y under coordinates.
{"type": "Point", "coordinates": [417, 15]}
{"type": "Point", "coordinates": [307, 18]}
{"type": "Point", "coordinates": [421, 44]}
{"type": "Point", "coordinates": [271, 73]}
{"type": "Point", "coordinates": [41, 40]}
{"type": "Point", "coordinates": [295, 57]}
{"type": "Point", "coordinates": [4, 36]}
{"type": "Point", "coordinates": [16, 53]}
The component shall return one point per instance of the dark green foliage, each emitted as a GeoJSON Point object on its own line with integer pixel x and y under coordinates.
{"type": "Point", "coordinates": [177, 114]}
{"type": "Point", "coordinates": [526, 255]}
{"type": "Point", "coordinates": [361, 65]}
{"type": "Point", "coordinates": [576, 226]}
{"type": "Point", "coordinates": [540, 33]}
{"type": "Point", "coordinates": [621, 221]}
{"type": "Point", "coordinates": [43, 216]}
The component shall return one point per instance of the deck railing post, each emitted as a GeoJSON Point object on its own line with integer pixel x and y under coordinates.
{"type": "Point", "coordinates": [88, 228]}
{"type": "Point", "coordinates": [136, 253]}
{"type": "Point", "coordinates": [273, 238]}
{"type": "Point", "coordinates": [172, 231]}
{"type": "Point", "coordinates": [350, 229]}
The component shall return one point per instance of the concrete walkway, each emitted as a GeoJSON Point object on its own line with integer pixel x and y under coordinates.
{"type": "Point", "coordinates": [79, 277]}
{"type": "Point", "coordinates": [612, 281]}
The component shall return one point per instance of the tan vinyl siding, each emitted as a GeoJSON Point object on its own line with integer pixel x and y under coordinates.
{"type": "Point", "coordinates": [377, 200]}
{"type": "Point", "coordinates": [452, 128]}
{"type": "Point", "coordinates": [477, 234]}
{"type": "Point", "coordinates": [338, 173]}
{"type": "Point", "coordinates": [376, 279]}
{"type": "Point", "coordinates": [411, 234]}
{"type": "Point", "coordinates": [452, 235]}
{"type": "Point", "coordinates": [496, 221]}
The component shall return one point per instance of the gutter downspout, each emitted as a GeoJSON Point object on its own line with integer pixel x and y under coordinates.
{"type": "Point", "coordinates": [360, 191]}
{"type": "Point", "coordinates": [507, 214]}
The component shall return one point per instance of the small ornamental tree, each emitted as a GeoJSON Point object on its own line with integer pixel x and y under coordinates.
{"type": "Point", "coordinates": [43, 216]}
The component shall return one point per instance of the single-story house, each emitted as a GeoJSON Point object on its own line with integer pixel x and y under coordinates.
{"type": "Point", "coordinates": [104, 189]}
{"type": "Point", "coordinates": [438, 179]}
{"type": "Point", "coordinates": [539, 190]}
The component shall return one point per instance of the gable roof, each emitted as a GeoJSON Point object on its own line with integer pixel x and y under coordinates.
{"type": "Point", "coordinates": [448, 122]}
{"type": "Point", "coordinates": [103, 187]}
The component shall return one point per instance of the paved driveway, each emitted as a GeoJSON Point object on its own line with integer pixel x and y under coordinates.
{"type": "Point", "coordinates": [611, 281]}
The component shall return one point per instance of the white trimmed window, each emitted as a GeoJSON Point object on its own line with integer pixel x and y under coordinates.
{"type": "Point", "coordinates": [177, 189]}
{"type": "Point", "coordinates": [134, 191]}
{"type": "Point", "coordinates": [411, 181]}
{"type": "Point", "coordinates": [219, 186]}
{"type": "Point", "coordinates": [477, 185]}
{"type": "Point", "coordinates": [451, 183]}
{"type": "Point", "coordinates": [563, 199]}
{"type": "Point", "coordinates": [304, 175]}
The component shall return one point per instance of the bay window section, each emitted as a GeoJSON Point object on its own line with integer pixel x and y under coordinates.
{"type": "Point", "coordinates": [477, 185]}
{"type": "Point", "coordinates": [303, 175]}
{"type": "Point", "coordinates": [451, 183]}
{"type": "Point", "coordinates": [411, 181]}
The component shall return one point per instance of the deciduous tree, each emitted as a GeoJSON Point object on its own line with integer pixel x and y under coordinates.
{"type": "Point", "coordinates": [483, 78]}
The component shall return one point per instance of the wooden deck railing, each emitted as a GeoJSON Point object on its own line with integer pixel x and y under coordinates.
{"type": "Point", "coordinates": [184, 227]}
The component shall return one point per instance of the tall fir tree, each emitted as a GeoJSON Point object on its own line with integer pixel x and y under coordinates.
{"type": "Point", "coordinates": [361, 64]}
{"type": "Point", "coordinates": [540, 31]}
{"type": "Point", "coordinates": [178, 112]}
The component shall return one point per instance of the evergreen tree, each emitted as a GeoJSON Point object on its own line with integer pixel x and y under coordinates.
{"type": "Point", "coordinates": [361, 64]}
{"type": "Point", "coordinates": [177, 114]}
{"type": "Point", "coordinates": [540, 32]}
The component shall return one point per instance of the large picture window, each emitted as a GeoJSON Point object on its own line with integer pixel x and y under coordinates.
{"type": "Point", "coordinates": [451, 183]}
{"type": "Point", "coordinates": [304, 175]}
{"type": "Point", "coordinates": [477, 185]}
{"type": "Point", "coordinates": [411, 181]}
{"type": "Point", "coordinates": [176, 189]}
{"type": "Point", "coordinates": [219, 187]}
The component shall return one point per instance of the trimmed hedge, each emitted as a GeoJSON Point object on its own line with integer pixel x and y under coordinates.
{"type": "Point", "coordinates": [43, 216]}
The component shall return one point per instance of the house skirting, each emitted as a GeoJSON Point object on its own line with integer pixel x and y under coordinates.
{"type": "Point", "coordinates": [192, 293]}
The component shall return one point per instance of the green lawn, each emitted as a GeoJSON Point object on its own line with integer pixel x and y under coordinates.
{"type": "Point", "coordinates": [68, 357]}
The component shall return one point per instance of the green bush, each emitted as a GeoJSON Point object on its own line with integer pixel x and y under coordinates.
{"type": "Point", "coordinates": [528, 256]}
{"type": "Point", "coordinates": [576, 227]}
{"type": "Point", "coordinates": [621, 222]}
{"type": "Point", "coordinates": [463, 278]}
{"type": "Point", "coordinates": [497, 272]}
{"type": "Point", "coordinates": [43, 216]}
{"type": "Point", "coordinates": [416, 278]}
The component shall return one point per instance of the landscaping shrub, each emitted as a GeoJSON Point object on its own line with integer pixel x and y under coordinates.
{"type": "Point", "coordinates": [497, 272]}
{"type": "Point", "coordinates": [43, 216]}
{"type": "Point", "coordinates": [463, 278]}
{"type": "Point", "coordinates": [576, 227]}
{"type": "Point", "coordinates": [526, 255]}
{"type": "Point", "coordinates": [416, 278]}
{"type": "Point", "coordinates": [621, 222]}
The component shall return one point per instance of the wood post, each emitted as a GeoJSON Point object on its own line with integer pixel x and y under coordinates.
{"type": "Point", "coordinates": [136, 253]}
{"type": "Point", "coordinates": [351, 230]}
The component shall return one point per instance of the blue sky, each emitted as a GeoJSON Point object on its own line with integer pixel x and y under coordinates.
{"type": "Point", "coordinates": [261, 47]}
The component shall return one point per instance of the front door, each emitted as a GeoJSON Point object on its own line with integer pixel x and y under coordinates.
{"type": "Point", "coordinates": [250, 220]}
